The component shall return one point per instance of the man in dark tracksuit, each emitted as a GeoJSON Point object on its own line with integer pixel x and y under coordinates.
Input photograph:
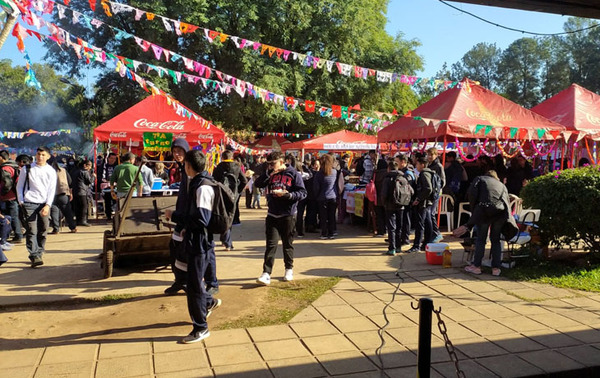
{"type": "Point", "coordinates": [284, 189]}
{"type": "Point", "coordinates": [197, 242]}
{"type": "Point", "coordinates": [423, 205]}
{"type": "Point", "coordinates": [231, 169]}
{"type": "Point", "coordinates": [179, 148]}
{"type": "Point", "coordinates": [436, 166]}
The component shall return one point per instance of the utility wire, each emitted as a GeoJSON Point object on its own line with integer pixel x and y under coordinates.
{"type": "Point", "coordinates": [514, 29]}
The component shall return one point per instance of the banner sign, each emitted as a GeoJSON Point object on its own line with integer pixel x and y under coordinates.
{"type": "Point", "coordinates": [349, 146]}
{"type": "Point", "coordinates": [158, 141]}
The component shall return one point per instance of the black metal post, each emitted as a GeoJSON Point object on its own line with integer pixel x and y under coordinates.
{"type": "Point", "coordinates": [425, 321]}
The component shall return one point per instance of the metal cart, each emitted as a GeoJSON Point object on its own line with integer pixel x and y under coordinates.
{"type": "Point", "coordinates": [138, 229]}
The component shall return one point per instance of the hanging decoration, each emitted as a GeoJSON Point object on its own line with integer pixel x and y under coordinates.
{"type": "Point", "coordinates": [503, 149]}
{"type": "Point", "coordinates": [590, 154]}
{"type": "Point", "coordinates": [538, 149]}
{"type": "Point", "coordinates": [217, 38]}
{"type": "Point", "coordinates": [23, 134]}
{"type": "Point", "coordinates": [462, 154]}
{"type": "Point", "coordinates": [287, 135]}
{"type": "Point", "coordinates": [86, 50]}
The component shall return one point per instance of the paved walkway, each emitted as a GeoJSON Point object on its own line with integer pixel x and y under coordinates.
{"type": "Point", "coordinates": [499, 327]}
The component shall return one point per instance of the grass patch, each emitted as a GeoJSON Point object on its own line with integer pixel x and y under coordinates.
{"type": "Point", "coordinates": [561, 274]}
{"type": "Point", "coordinates": [113, 298]}
{"type": "Point", "coordinates": [284, 301]}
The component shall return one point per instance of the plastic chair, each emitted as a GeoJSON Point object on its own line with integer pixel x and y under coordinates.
{"type": "Point", "coordinates": [444, 210]}
{"type": "Point", "coordinates": [516, 204]}
{"type": "Point", "coordinates": [462, 210]}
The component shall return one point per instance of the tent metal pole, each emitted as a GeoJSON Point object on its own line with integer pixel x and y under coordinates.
{"type": "Point", "coordinates": [96, 177]}
{"type": "Point", "coordinates": [440, 199]}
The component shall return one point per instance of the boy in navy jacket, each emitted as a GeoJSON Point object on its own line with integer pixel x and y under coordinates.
{"type": "Point", "coordinates": [284, 189]}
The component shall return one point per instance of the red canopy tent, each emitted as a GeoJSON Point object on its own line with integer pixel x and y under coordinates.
{"type": "Point", "coordinates": [155, 113]}
{"type": "Point", "coordinates": [469, 111]}
{"type": "Point", "coordinates": [343, 140]}
{"type": "Point", "coordinates": [266, 142]}
{"type": "Point", "coordinates": [576, 108]}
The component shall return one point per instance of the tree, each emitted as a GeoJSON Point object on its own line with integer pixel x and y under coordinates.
{"type": "Point", "coordinates": [480, 63]}
{"type": "Point", "coordinates": [519, 72]}
{"type": "Point", "coordinates": [23, 107]}
{"type": "Point", "coordinates": [346, 31]}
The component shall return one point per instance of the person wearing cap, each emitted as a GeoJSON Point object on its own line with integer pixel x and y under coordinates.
{"type": "Point", "coordinates": [36, 187]}
{"type": "Point", "coordinates": [179, 260]}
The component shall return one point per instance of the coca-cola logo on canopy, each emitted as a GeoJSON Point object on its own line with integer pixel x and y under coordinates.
{"type": "Point", "coordinates": [121, 134]}
{"type": "Point", "coordinates": [143, 123]}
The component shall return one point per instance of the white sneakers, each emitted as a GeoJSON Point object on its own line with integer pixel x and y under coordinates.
{"type": "Point", "coordinates": [264, 279]}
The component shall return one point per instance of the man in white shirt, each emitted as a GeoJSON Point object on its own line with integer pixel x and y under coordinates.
{"type": "Point", "coordinates": [35, 192]}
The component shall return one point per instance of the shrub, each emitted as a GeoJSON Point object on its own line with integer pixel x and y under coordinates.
{"type": "Point", "coordinates": [570, 206]}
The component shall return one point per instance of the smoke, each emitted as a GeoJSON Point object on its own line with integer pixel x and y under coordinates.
{"type": "Point", "coordinates": [48, 116]}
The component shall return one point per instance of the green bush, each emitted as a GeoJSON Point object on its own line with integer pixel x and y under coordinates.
{"type": "Point", "coordinates": [570, 206]}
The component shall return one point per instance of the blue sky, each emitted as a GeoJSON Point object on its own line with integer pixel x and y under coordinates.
{"type": "Point", "coordinates": [445, 34]}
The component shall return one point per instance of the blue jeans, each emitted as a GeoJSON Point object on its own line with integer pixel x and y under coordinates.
{"type": "Point", "coordinates": [495, 229]}
{"type": "Point", "coordinates": [226, 239]}
{"type": "Point", "coordinates": [423, 228]}
{"type": "Point", "coordinates": [4, 229]}
{"type": "Point", "coordinates": [12, 208]}
{"type": "Point", "coordinates": [395, 219]}
{"type": "Point", "coordinates": [36, 229]}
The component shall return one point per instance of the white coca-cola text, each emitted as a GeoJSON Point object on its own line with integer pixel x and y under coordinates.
{"type": "Point", "coordinates": [143, 123]}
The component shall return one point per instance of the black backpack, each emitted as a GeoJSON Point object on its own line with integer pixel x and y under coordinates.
{"type": "Point", "coordinates": [8, 182]}
{"type": "Point", "coordinates": [223, 207]}
{"type": "Point", "coordinates": [403, 191]}
{"type": "Point", "coordinates": [360, 166]}
{"type": "Point", "coordinates": [231, 181]}
{"type": "Point", "coordinates": [436, 185]}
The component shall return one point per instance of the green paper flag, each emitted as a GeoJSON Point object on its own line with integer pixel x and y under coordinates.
{"type": "Point", "coordinates": [418, 118]}
{"type": "Point", "coordinates": [488, 128]}
{"type": "Point", "coordinates": [158, 141]}
{"type": "Point", "coordinates": [540, 133]}
{"type": "Point", "coordinates": [513, 132]}
{"type": "Point", "coordinates": [478, 128]}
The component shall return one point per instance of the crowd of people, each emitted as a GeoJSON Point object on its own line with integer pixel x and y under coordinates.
{"type": "Point", "coordinates": [303, 196]}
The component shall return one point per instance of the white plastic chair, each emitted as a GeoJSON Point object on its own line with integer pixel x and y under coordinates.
{"type": "Point", "coordinates": [462, 210]}
{"type": "Point", "coordinates": [516, 204]}
{"type": "Point", "coordinates": [444, 210]}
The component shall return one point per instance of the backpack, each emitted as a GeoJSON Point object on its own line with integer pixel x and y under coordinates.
{"type": "Point", "coordinates": [223, 208]}
{"type": "Point", "coordinates": [360, 166]}
{"type": "Point", "coordinates": [436, 185]}
{"type": "Point", "coordinates": [8, 182]}
{"type": "Point", "coordinates": [231, 181]}
{"type": "Point", "coordinates": [403, 192]}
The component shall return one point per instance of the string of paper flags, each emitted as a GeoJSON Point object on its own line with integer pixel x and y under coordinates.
{"type": "Point", "coordinates": [147, 85]}
{"type": "Point", "coordinates": [90, 52]}
{"type": "Point", "coordinates": [206, 72]}
{"type": "Point", "coordinates": [23, 134]}
{"type": "Point", "coordinates": [181, 28]}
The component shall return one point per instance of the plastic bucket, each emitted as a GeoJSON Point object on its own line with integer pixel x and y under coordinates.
{"type": "Point", "coordinates": [434, 253]}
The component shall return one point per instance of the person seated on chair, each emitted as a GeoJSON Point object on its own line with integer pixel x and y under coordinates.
{"type": "Point", "coordinates": [488, 199]}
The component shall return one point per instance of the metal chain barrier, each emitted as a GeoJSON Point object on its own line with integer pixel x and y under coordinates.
{"type": "Point", "coordinates": [387, 322]}
{"type": "Point", "coordinates": [448, 344]}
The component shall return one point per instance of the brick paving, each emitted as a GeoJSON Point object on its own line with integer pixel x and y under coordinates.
{"type": "Point", "coordinates": [499, 328]}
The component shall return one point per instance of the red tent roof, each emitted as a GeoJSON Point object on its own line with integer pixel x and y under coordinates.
{"type": "Point", "coordinates": [339, 141]}
{"type": "Point", "coordinates": [266, 142]}
{"type": "Point", "coordinates": [470, 111]}
{"type": "Point", "coordinates": [576, 108]}
{"type": "Point", "coordinates": [155, 114]}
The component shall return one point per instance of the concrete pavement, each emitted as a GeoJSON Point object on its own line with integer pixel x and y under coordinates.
{"type": "Point", "coordinates": [499, 328]}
